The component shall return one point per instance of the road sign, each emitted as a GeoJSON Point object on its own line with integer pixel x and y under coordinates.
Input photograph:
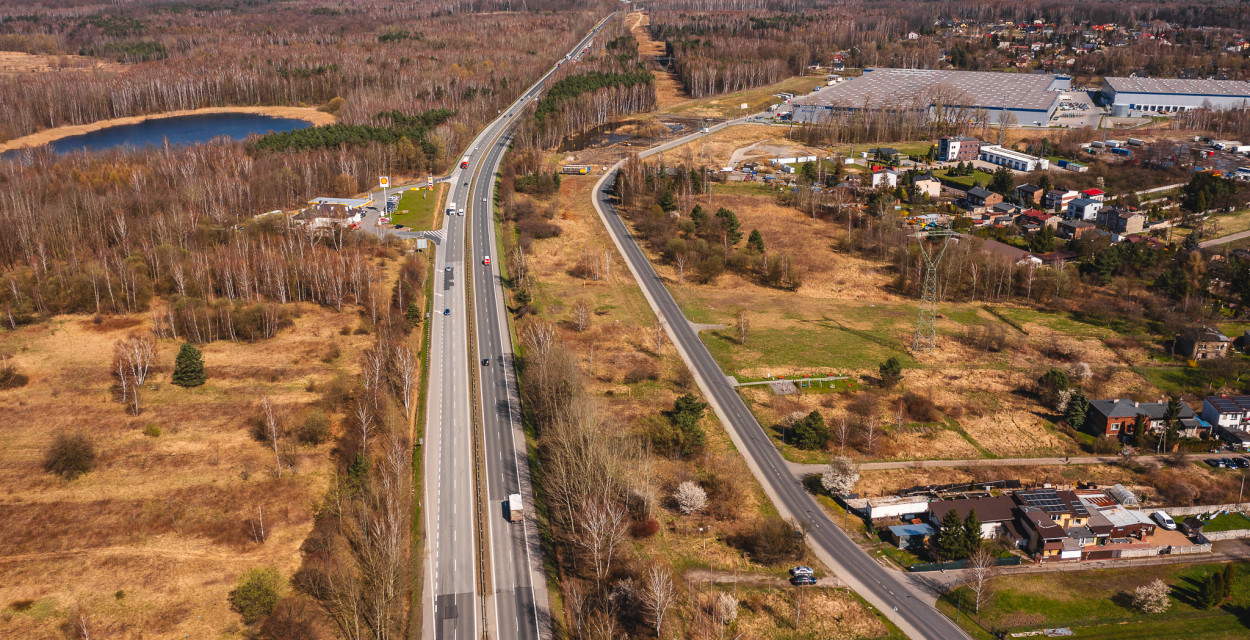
{"type": "Point", "coordinates": [429, 182]}
{"type": "Point", "coordinates": [384, 181]}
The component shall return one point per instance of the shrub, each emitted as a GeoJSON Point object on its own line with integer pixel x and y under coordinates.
{"type": "Point", "coordinates": [151, 430]}
{"type": "Point", "coordinates": [1152, 597]}
{"type": "Point", "coordinates": [771, 540]}
{"type": "Point", "coordinates": [891, 372]}
{"type": "Point", "coordinates": [315, 429]}
{"type": "Point", "coordinates": [920, 408]}
{"type": "Point", "coordinates": [294, 618]}
{"type": "Point", "coordinates": [642, 371]}
{"type": "Point", "coordinates": [645, 528]}
{"type": "Point", "coordinates": [810, 432]}
{"type": "Point", "coordinates": [10, 378]}
{"type": "Point", "coordinates": [690, 497]}
{"type": "Point", "coordinates": [256, 594]}
{"type": "Point", "coordinates": [840, 477]}
{"type": "Point", "coordinates": [70, 455]}
{"type": "Point", "coordinates": [189, 367]}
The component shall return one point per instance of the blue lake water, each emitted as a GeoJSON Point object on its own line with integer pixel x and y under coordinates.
{"type": "Point", "coordinates": [179, 130]}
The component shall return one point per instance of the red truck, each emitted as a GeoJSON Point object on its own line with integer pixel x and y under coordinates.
{"type": "Point", "coordinates": [464, 164]}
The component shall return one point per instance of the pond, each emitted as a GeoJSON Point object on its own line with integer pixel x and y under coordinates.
{"type": "Point", "coordinates": [178, 130]}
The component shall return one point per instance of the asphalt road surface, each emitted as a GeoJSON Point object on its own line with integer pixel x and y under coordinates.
{"type": "Point", "coordinates": [454, 608]}
{"type": "Point", "coordinates": [881, 587]}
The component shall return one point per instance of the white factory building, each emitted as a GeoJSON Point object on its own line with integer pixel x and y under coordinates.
{"type": "Point", "coordinates": [1015, 160]}
{"type": "Point", "coordinates": [1165, 96]}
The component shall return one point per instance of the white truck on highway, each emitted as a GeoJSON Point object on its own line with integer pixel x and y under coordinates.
{"type": "Point", "coordinates": [516, 511]}
{"type": "Point", "coordinates": [451, 208]}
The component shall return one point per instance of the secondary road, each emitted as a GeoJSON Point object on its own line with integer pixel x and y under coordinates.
{"type": "Point", "coordinates": [454, 607]}
{"type": "Point", "coordinates": [883, 588]}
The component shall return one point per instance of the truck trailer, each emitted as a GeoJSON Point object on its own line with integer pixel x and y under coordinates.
{"type": "Point", "coordinates": [516, 511]}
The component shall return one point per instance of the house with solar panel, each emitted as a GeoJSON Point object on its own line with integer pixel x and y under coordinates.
{"type": "Point", "coordinates": [1229, 416]}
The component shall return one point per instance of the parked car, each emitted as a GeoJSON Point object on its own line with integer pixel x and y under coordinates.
{"type": "Point", "coordinates": [1228, 463]}
{"type": "Point", "coordinates": [799, 581]}
{"type": "Point", "coordinates": [1164, 520]}
{"type": "Point", "coordinates": [802, 571]}
{"type": "Point", "coordinates": [1214, 462]}
{"type": "Point", "coordinates": [1241, 463]}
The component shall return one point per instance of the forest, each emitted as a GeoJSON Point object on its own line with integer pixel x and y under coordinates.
{"type": "Point", "coordinates": [720, 46]}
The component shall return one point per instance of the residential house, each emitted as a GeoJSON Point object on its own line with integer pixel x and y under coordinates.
{"type": "Point", "coordinates": [1202, 343]}
{"type": "Point", "coordinates": [1057, 259]}
{"type": "Point", "coordinates": [927, 185]}
{"type": "Point", "coordinates": [982, 197]}
{"type": "Point", "coordinates": [1083, 209]}
{"type": "Point", "coordinates": [1058, 199]}
{"type": "Point", "coordinates": [997, 515]}
{"type": "Point", "coordinates": [910, 537]}
{"type": "Point", "coordinates": [1044, 538]}
{"type": "Point", "coordinates": [1006, 209]}
{"type": "Point", "coordinates": [1075, 229]}
{"type": "Point", "coordinates": [1063, 507]}
{"type": "Point", "coordinates": [1030, 194]}
{"type": "Point", "coordinates": [958, 149]}
{"type": "Point", "coordinates": [1117, 416]}
{"type": "Point", "coordinates": [1094, 194]}
{"type": "Point", "coordinates": [1033, 217]}
{"type": "Point", "coordinates": [884, 178]}
{"type": "Point", "coordinates": [1009, 253]}
{"type": "Point", "coordinates": [1121, 221]}
{"type": "Point", "coordinates": [1228, 414]}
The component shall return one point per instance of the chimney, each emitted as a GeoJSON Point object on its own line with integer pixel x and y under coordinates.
{"type": "Point", "coordinates": [1135, 404]}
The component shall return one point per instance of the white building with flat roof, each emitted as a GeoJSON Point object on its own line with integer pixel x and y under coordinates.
{"type": "Point", "coordinates": [1167, 96]}
{"type": "Point", "coordinates": [995, 154]}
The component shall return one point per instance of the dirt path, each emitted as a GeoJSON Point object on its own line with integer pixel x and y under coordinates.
{"type": "Point", "coordinates": [751, 579]}
{"type": "Point", "coordinates": [668, 92]}
{"type": "Point", "coordinates": [41, 138]}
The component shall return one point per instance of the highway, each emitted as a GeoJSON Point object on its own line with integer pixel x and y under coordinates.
{"type": "Point", "coordinates": [516, 606]}
{"type": "Point", "coordinates": [883, 588]}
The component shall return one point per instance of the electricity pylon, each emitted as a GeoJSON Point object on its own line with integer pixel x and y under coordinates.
{"type": "Point", "coordinates": [926, 320]}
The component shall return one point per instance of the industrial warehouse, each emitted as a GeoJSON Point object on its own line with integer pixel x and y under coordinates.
{"type": "Point", "coordinates": [1030, 99]}
{"type": "Point", "coordinates": [1163, 96]}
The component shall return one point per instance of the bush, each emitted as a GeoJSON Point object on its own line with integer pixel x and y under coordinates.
{"type": "Point", "coordinates": [189, 367]}
{"type": "Point", "coordinates": [152, 431]}
{"type": "Point", "coordinates": [70, 456]}
{"type": "Point", "coordinates": [256, 594]}
{"type": "Point", "coordinates": [690, 497]}
{"type": "Point", "coordinates": [891, 372]}
{"type": "Point", "coordinates": [645, 528]}
{"type": "Point", "coordinates": [771, 540]}
{"type": "Point", "coordinates": [315, 429]}
{"type": "Point", "coordinates": [10, 378]}
{"type": "Point", "coordinates": [920, 408]}
{"type": "Point", "coordinates": [1152, 597]}
{"type": "Point", "coordinates": [810, 432]}
{"type": "Point", "coordinates": [642, 371]}
{"type": "Point", "coordinates": [294, 618]}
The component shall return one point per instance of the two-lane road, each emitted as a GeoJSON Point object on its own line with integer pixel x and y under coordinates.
{"type": "Point", "coordinates": [880, 586]}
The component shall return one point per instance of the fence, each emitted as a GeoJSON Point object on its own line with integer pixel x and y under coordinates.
{"type": "Point", "coordinates": [1207, 508]}
{"type": "Point", "coordinates": [1235, 534]}
{"type": "Point", "coordinates": [959, 564]}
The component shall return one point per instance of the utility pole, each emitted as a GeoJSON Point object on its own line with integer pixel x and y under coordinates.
{"type": "Point", "coordinates": [926, 320]}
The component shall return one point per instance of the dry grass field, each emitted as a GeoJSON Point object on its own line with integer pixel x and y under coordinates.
{"type": "Point", "coordinates": [668, 91]}
{"type": "Point", "coordinates": [152, 540]}
{"type": "Point", "coordinates": [847, 318]}
{"type": "Point", "coordinates": [14, 63]}
{"type": "Point", "coordinates": [617, 351]}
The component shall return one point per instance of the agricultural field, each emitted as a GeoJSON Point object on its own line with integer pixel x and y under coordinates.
{"type": "Point", "coordinates": [1097, 604]}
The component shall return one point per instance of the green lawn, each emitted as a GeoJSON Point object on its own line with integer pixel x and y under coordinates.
{"type": "Point", "coordinates": [968, 181]}
{"type": "Point", "coordinates": [1095, 604]}
{"type": "Point", "coordinates": [417, 208]}
{"type": "Point", "coordinates": [1227, 522]}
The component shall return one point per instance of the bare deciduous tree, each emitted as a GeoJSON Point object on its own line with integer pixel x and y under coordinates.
{"type": "Point", "coordinates": [581, 316]}
{"type": "Point", "coordinates": [977, 577]}
{"type": "Point", "coordinates": [272, 431]}
{"type": "Point", "coordinates": [842, 431]}
{"type": "Point", "coordinates": [601, 532]}
{"type": "Point", "coordinates": [724, 610]}
{"type": "Point", "coordinates": [657, 595]}
{"type": "Point", "coordinates": [404, 365]}
{"type": "Point", "coordinates": [743, 326]}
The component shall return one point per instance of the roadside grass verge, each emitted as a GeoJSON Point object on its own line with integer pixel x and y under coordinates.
{"type": "Point", "coordinates": [417, 208]}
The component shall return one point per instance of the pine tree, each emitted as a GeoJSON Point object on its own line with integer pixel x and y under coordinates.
{"type": "Point", "coordinates": [1229, 574]}
{"type": "Point", "coordinates": [1078, 408]}
{"type": "Point", "coordinates": [1211, 591]}
{"type": "Point", "coordinates": [189, 367]}
{"type": "Point", "coordinates": [972, 533]}
{"type": "Point", "coordinates": [950, 540]}
{"type": "Point", "coordinates": [755, 241]}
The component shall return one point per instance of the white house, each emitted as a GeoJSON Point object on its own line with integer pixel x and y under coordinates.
{"type": "Point", "coordinates": [995, 154]}
{"type": "Point", "coordinates": [884, 178]}
{"type": "Point", "coordinates": [1083, 209]}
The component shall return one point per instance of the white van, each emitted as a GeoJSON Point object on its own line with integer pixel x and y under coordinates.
{"type": "Point", "coordinates": [1164, 520]}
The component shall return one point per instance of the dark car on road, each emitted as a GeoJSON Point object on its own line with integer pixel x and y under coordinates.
{"type": "Point", "coordinates": [800, 581]}
{"type": "Point", "coordinates": [446, 312]}
{"type": "Point", "coordinates": [485, 362]}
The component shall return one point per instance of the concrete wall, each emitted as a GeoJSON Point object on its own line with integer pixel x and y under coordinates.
{"type": "Point", "coordinates": [1235, 534]}
{"type": "Point", "coordinates": [1198, 510]}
